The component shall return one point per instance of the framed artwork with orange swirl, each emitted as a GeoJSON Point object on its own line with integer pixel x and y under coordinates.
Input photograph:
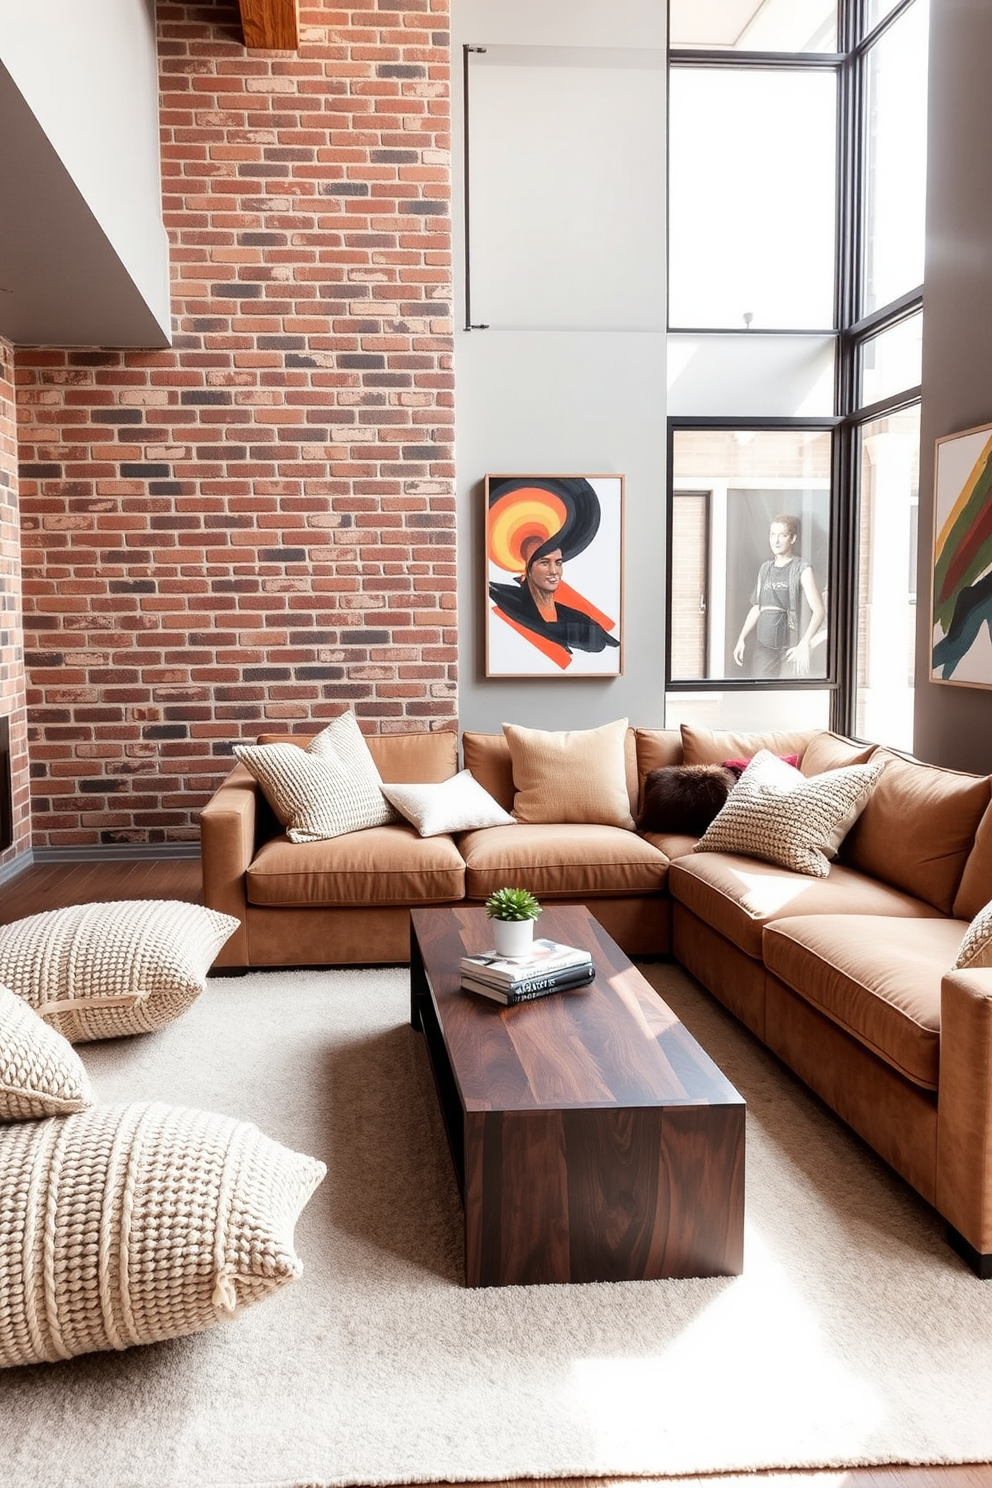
{"type": "Point", "coordinates": [554, 575]}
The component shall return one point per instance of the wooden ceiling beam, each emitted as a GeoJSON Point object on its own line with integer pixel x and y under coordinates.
{"type": "Point", "coordinates": [271, 25]}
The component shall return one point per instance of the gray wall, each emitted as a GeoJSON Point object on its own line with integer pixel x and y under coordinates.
{"type": "Point", "coordinates": [567, 398]}
{"type": "Point", "coordinates": [953, 724]}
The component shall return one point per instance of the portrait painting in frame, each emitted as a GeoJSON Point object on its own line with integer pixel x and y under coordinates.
{"type": "Point", "coordinates": [554, 575]}
{"type": "Point", "coordinates": [962, 559]}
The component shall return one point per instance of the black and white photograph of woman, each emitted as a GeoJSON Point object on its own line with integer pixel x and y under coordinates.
{"type": "Point", "coordinates": [785, 620]}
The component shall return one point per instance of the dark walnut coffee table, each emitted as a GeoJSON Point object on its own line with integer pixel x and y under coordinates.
{"type": "Point", "coordinates": [592, 1138]}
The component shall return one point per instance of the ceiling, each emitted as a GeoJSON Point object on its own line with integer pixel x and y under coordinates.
{"type": "Point", "coordinates": [752, 25]}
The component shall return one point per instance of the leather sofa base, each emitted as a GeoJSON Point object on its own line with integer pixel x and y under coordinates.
{"type": "Point", "coordinates": [379, 935]}
{"type": "Point", "coordinates": [898, 1120]}
{"type": "Point", "coordinates": [376, 935]}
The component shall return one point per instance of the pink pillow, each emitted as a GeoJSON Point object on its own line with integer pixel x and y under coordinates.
{"type": "Point", "coordinates": [740, 765]}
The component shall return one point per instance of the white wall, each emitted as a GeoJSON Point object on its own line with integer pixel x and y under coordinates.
{"type": "Point", "coordinates": [552, 396]}
{"type": "Point", "coordinates": [81, 150]}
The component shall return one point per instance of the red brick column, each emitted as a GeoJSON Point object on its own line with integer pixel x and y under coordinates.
{"type": "Point", "coordinates": [255, 528]}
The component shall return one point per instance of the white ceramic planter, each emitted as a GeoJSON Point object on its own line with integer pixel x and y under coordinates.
{"type": "Point", "coordinates": [513, 937]}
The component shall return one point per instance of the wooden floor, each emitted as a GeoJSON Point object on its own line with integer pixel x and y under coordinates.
{"type": "Point", "coordinates": [54, 885]}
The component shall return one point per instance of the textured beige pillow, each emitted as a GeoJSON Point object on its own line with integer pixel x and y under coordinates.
{"type": "Point", "coordinates": [577, 775]}
{"type": "Point", "coordinates": [40, 1072]}
{"type": "Point", "coordinates": [456, 805]}
{"type": "Point", "coordinates": [130, 1224]}
{"type": "Point", "coordinates": [975, 950]}
{"type": "Point", "coordinates": [325, 790]}
{"type": "Point", "coordinates": [98, 971]}
{"type": "Point", "coordinates": [774, 813]}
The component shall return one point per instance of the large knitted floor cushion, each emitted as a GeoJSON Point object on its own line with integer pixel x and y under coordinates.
{"type": "Point", "coordinates": [40, 1072]}
{"type": "Point", "coordinates": [98, 971]}
{"type": "Point", "coordinates": [126, 1225]}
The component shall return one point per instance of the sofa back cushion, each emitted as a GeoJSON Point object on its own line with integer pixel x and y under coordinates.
{"type": "Point", "coordinates": [830, 751]}
{"type": "Point", "coordinates": [918, 827]}
{"type": "Point", "coordinates": [975, 889]}
{"type": "Point", "coordinates": [488, 758]}
{"type": "Point", "coordinates": [702, 746]}
{"type": "Point", "coordinates": [657, 748]}
{"type": "Point", "coordinates": [427, 757]}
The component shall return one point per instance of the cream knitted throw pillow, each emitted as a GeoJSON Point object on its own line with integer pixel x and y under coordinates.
{"type": "Point", "coordinates": [328, 789]}
{"type": "Point", "coordinates": [40, 1072]}
{"type": "Point", "coordinates": [126, 1225]}
{"type": "Point", "coordinates": [778, 815]}
{"type": "Point", "coordinates": [103, 970]}
{"type": "Point", "coordinates": [975, 950]}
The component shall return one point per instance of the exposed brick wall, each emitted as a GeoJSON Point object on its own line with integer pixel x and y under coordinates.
{"type": "Point", "coordinates": [254, 528]}
{"type": "Point", "coordinates": [12, 694]}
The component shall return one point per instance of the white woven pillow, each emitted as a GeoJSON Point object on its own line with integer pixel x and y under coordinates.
{"type": "Point", "coordinates": [104, 970]}
{"type": "Point", "coordinates": [455, 805]}
{"type": "Point", "coordinates": [130, 1224]}
{"type": "Point", "coordinates": [775, 813]}
{"type": "Point", "coordinates": [40, 1072]}
{"type": "Point", "coordinates": [975, 950]}
{"type": "Point", "coordinates": [325, 790]}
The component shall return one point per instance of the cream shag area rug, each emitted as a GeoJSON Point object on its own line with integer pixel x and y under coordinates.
{"type": "Point", "coordinates": [854, 1336]}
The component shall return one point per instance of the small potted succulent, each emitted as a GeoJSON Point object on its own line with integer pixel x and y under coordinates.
{"type": "Point", "coordinates": [513, 912]}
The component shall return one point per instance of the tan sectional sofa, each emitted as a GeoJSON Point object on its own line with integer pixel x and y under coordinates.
{"type": "Point", "coordinates": [847, 978]}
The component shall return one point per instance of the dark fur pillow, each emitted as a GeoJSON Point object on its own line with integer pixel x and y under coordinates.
{"type": "Point", "coordinates": [684, 798]}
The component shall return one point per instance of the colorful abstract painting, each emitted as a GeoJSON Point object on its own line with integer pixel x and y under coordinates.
{"type": "Point", "coordinates": [962, 566]}
{"type": "Point", "coordinates": [554, 575]}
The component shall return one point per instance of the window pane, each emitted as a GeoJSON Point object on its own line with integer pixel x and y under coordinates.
{"type": "Point", "coordinates": [752, 168]}
{"type": "Point", "coordinates": [750, 544]}
{"type": "Point", "coordinates": [897, 159]}
{"type": "Point", "coordinates": [754, 25]}
{"type": "Point", "coordinates": [892, 361]}
{"type": "Point", "coordinates": [877, 11]}
{"type": "Point", "coordinates": [890, 481]}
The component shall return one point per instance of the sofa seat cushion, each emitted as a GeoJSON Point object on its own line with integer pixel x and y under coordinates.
{"type": "Point", "coordinates": [564, 861]}
{"type": "Point", "coordinates": [739, 896]}
{"type": "Point", "coordinates": [382, 865]}
{"type": "Point", "coordinates": [883, 988]}
{"type": "Point", "coordinates": [672, 844]}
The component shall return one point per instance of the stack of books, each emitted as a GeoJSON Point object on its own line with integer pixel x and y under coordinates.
{"type": "Point", "coordinates": [548, 967]}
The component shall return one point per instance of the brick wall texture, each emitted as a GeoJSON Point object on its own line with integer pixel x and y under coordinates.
{"type": "Point", "coordinates": [255, 528]}
{"type": "Point", "coordinates": [12, 685]}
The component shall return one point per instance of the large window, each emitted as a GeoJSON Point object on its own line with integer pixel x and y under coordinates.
{"type": "Point", "coordinates": [796, 203]}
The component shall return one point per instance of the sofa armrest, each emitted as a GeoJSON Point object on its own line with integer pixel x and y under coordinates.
{"type": "Point", "coordinates": [228, 825]}
{"type": "Point", "coordinates": [964, 1106]}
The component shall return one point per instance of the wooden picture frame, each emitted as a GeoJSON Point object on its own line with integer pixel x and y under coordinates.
{"type": "Point", "coordinates": [554, 575]}
{"type": "Point", "coordinates": [961, 593]}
